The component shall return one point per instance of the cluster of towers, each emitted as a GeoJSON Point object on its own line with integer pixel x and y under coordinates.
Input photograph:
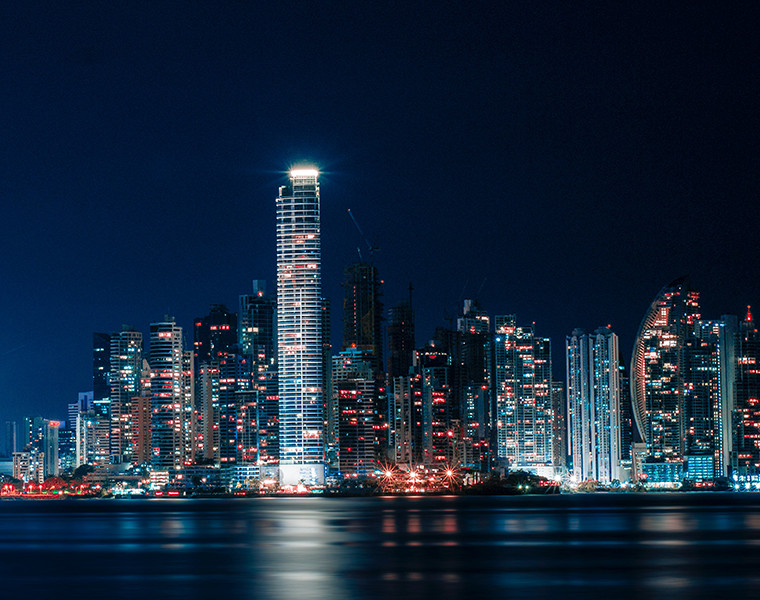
{"type": "Point", "coordinates": [688, 408]}
{"type": "Point", "coordinates": [261, 394]}
{"type": "Point", "coordinates": [695, 386]}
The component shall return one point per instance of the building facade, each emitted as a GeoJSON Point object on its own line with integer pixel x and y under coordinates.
{"type": "Point", "coordinates": [124, 384]}
{"type": "Point", "coordinates": [524, 414]}
{"type": "Point", "coordinates": [594, 405]}
{"type": "Point", "coordinates": [299, 330]}
{"type": "Point", "coordinates": [171, 397]}
{"type": "Point", "coordinates": [746, 451]}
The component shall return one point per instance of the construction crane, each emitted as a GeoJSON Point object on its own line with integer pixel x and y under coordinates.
{"type": "Point", "coordinates": [372, 247]}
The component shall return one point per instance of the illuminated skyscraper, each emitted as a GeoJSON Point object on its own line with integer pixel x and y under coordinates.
{"type": "Point", "coordinates": [363, 334]}
{"type": "Point", "coordinates": [658, 377]}
{"type": "Point", "coordinates": [299, 329]}
{"type": "Point", "coordinates": [215, 339]}
{"type": "Point", "coordinates": [408, 436]}
{"type": "Point", "coordinates": [214, 335]}
{"type": "Point", "coordinates": [140, 417]}
{"type": "Point", "coordinates": [747, 435]}
{"type": "Point", "coordinates": [99, 438]}
{"type": "Point", "coordinates": [593, 394]}
{"type": "Point", "coordinates": [124, 383]}
{"type": "Point", "coordinates": [524, 412]}
{"type": "Point", "coordinates": [171, 397]}
{"type": "Point", "coordinates": [354, 380]}
{"type": "Point", "coordinates": [709, 397]}
{"type": "Point", "coordinates": [257, 336]}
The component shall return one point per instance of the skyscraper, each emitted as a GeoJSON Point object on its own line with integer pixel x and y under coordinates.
{"type": "Point", "coordinates": [214, 335]}
{"type": "Point", "coordinates": [124, 383]}
{"type": "Point", "coordinates": [363, 311]}
{"type": "Point", "coordinates": [215, 341]}
{"type": "Point", "coordinates": [299, 329]}
{"type": "Point", "coordinates": [524, 415]}
{"type": "Point", "coordinates": [709, 397]}
{"type": "Point", "coordinates": [354, 381]}
{"type": "Point", "coordinates": [99, 437]}
{"type": "Point", "coordinates": [257, 336]}
{"type": "Point", "coordinates": [657, 377]}
{"type": "Point", "coordinates": [400, 338]}
{"type": "Point", "coordinates": [747, 412]}
{"type": "Point", "coordinates": [594, 401]}
{"type": "Point", "coordinates": [363, 333]}
{"type": "Point", "coordinates": [170, 400]}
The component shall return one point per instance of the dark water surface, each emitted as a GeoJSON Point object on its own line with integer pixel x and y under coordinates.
{"type": "Point", "coordinates": [576, 546]}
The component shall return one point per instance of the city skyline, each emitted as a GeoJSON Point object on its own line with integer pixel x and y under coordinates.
{"type": "Point", "coordinates": [560, 164]}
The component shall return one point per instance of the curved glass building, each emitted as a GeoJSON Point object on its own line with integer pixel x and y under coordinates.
{"type": "Point", "coordinates": [657, 370]}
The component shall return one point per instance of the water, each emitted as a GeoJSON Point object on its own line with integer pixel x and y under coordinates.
{"type": "Point", "coordinates": [576, 546]}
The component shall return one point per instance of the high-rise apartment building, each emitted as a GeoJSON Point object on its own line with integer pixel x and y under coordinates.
{"type": "Point", "coordinates": [140, 417]}
{"type": "Point", "coordinates": [235, 403]}
{"type": "Point", "coordinates": [406, 403]}
{"type": "Point", "coordinates": [257, 330]}
{"type": "Point", "coordinates": [171, 397]}
{"type": "Point", "coordinates": [99, 440]}
{"type": "Point", "coordinates": [710, 367]}
{"type": "Point", "coordinates": [363, 334]}
{"type": "Point", "coordinates": [215, 339]}
{"type": "Point", "coordinates": [524, 414]}
{"type": "Point", "coordinates": [594, 405]}
{"type": "Point", "coordinates": [472, 384]}
{"type": "Point", "coordinates": [658, 377]}
{"type": "Point", "coordinates": [124, 384]}
{"type": "Point", "coordinates": [353, 385]}
{"type": "Point", "coordinates": [257, 337]}
{"type": "Point", "coordinates": [299, 330]}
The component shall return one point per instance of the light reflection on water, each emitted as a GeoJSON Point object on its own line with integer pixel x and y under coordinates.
{"type": "Point", "coordinates": [649, 546]}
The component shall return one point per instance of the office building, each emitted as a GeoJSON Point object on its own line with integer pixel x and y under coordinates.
{"type": "Point", "coordinates": [746, 451]}
{"type": "Point", "coordinates": [299, 330]}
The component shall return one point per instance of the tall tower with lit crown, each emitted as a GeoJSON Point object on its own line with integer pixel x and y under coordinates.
{"type": "Point", "coordinates": [299, 330]}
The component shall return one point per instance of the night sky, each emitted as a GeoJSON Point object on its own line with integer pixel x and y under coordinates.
{"type": "Point", "coordinates": [566, 160]}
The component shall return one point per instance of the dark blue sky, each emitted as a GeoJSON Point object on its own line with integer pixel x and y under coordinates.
{"type": "Point", "coordinates": [575, 158]}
